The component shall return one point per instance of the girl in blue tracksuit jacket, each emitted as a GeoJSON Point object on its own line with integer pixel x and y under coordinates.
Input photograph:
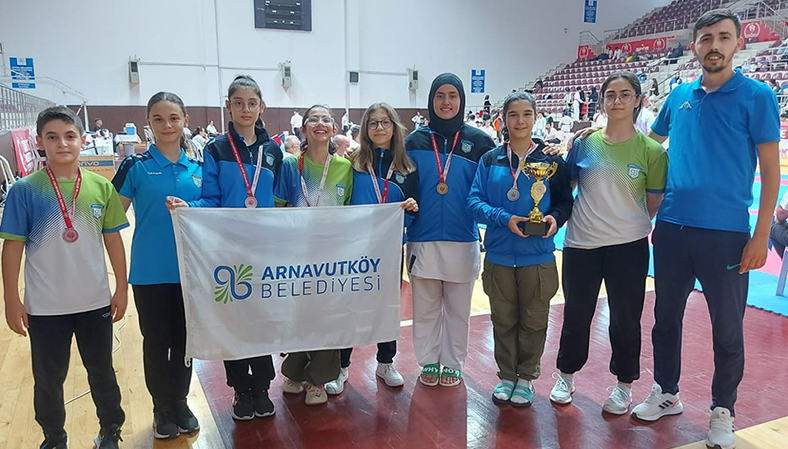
{"type": "Point", "coordinates": [520, 275]}
{"type": "Point", "coordinates": [225, 184]}
{"type": "Point", "coordinates": [382, 173]}
{"type": "Point", "coordinates": [443, 249]}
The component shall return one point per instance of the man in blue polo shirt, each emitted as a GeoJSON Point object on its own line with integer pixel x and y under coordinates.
{"type": "Point", "coordinates": [719, 126]}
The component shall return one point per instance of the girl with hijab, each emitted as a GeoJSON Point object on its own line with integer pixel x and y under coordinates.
{"type": "Point", "coordinates": [443, 250]}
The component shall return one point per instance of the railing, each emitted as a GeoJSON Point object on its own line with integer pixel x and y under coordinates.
{"type": "Point", "coordinates": [18, 109]}
{"type": "Point", "coordinates": [763, 11]}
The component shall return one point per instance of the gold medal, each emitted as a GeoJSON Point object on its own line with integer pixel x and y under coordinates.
{"type": "Point", "coordinates": [443, 188]}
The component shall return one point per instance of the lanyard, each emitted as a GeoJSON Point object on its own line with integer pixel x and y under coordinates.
{"type": "Point", "coordinates": [516, 174]}
{"type": "Point", "coordinates": [250, 189]}
{"type": "Point", "coordinates": [59, 195]}
{"type": "Point", "coordinates": [322, 179]}
{"type": "Point", "coordinates": [381, 198]}
{"type": "Point", "coordinates": [443, 172]}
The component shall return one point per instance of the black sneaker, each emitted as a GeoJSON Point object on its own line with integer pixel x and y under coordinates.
{"type": "Point", "coordinates": [108, 438]}
{"type": "Point", "coordinates": [243, 408]}
{"type": "Point", "coordinates": [262, 404]}
{"type": "Point", "coordinates": [164, 424]}
{"type": "Point", "coordinates": [54, 444]}
{"type": "Point", "coordinates": [187, 422]}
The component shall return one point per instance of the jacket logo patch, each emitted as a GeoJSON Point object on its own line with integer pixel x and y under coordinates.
{"type": "Point", "coordinates": [467, 146]}
{"type": "Point", "coordinates": [685, 105]}
{"type": "Point", "coordinates": [341, 190]}
{"type": "Point", "coordinates": [633, 170]}
{"type": "Point", "coordinates": [97, 210]}
{"type": "Point", "coordinates": [269, 158]}
{"type": "Point", "coordinates": [197, 181]}
{"type": "Point", "coordinates": [400, 178]}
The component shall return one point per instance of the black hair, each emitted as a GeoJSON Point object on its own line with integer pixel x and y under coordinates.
{"type": "Point", "coordinates": [171, 98]}
{"type": "Point", "coordinates": [198, 130]}
{"type": "Point", "coordinates": [95, 120]}
{"type": "Point", "coordinates": [517, 96]}
{"type": "Point", "coordinates": [332, 147]}
{"type": "Point", "coordinates": [507, 102]}
{"type": "Point", "coordinates": [61, 113]}
{"type": "Point", "coordinates": [247, 81]}
{"type": "Point", "coordinates": [633, 80]}
{"type": "Point", "coordinates": [716, 15]}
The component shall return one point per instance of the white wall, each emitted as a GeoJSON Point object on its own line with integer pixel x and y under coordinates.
{"type": "Point", "coordinates": [86, 45]}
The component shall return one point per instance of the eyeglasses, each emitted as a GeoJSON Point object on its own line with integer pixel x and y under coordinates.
{"type": "Point", "coordinates": [323, 120]}
{"type": "Point", "coordinates": [625, 97]}
{"type": "Point", "coordinates": [374, 124]}
{"type": "Point", "coordinates": [239, 105]}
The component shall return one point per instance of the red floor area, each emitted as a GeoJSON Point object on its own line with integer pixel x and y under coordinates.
{"type": "Point", "coordinates": [370, 415]}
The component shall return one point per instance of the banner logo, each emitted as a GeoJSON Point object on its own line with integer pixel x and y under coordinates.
{"type": "Point", "coordinates": [752, 29]}
{"type": "Point", "coordinates": [228, 289]}
{"type": "Point", "coordinates": [290, 281]}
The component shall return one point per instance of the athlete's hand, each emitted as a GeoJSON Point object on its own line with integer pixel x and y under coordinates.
{"type": "Point", "coordinates": [16, 316]}
{"type": "Point", "coordinates": [581, 134]}
{"type": "Point", "coordinates": [552, 149]}
{"type": "Point", "coordinates": [117, 306]}
{"type": "Point", "coordinates": [173, 202]}
{"type": "Point", "coordinates": [513, 225]}
{"type": "Point", "coordinates": [754, 255]}
{"type": "Point", "coordinates": [553, 225]}
{"type": "Point", "coordinates": [410, 205]}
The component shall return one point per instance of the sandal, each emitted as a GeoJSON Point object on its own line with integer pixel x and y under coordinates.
{"type": "Point", "coordinates": [523, 394]}
{"type": "Point", "coordinates": [450, 377]}
{"type": "Point", "coordinates": [504, 388]}
{"type": "Point", "coordinates": [429, 374]}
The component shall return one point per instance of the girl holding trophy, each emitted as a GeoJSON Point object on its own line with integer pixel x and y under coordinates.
{"type": "Point", "coordinates": [523, 196]}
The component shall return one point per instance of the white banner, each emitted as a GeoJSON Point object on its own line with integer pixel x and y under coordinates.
{"type": "Point", "coordinates": [265, 281]}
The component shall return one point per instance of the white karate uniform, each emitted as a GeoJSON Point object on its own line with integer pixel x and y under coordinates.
{"type": "Point", "coordinates": [442, 276]}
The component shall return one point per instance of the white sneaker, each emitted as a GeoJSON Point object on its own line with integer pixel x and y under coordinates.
{"type": "Point", "coordinates": [338, 386]}
{"type": "Point", "coordinates": [389, 374]}
{"type": "Point", "coordinates": [721, 430]}
{"type": "Point", "coordinates": [563, 388]}
{"type": "Point", "coordinates": [619, 400]}
{"type": "Point", "coordinates": [292, 387]}
{"type": "Point", "coordinates": [315, 394]}
{"type": "Point", "coordinates": [657, 405]}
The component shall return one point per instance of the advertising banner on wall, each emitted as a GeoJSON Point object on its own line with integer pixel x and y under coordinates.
{"type": "Point", "coordinates": [757, 31]}
{"type": "Point", "coordinates": [651, 44]}
{"type": "Point", "coordinates": [25, 149]}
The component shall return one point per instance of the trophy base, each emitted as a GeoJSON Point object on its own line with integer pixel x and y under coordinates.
{"type": "Point", "coordinates": [531, 228]}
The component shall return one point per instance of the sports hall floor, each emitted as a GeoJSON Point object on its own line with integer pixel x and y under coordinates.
{"type": "Point", "coordinates": [370, 415]}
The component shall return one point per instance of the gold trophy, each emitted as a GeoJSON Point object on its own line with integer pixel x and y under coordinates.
{"type": "Point", "coordinates": [540, 171]}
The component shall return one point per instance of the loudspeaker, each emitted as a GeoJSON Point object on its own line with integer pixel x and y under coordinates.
{"type": "Point", "coordinates": [287, 79]}
{"type": "Point", "coordinates": [134, 71]}
{"type": "Point", "coordinates": [353, 77]}
{"type": "Point", "coordinates": [413, 79]}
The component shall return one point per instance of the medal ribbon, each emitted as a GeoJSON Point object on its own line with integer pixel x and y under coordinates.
{"type": "Point", "coordinates": [59, 195]}
{"type": "Point", "coordinates": [516, 175]}
{"type": "Point", "coordinates": [381, 198]}
{"type": "Point", "coordinates": [443, 172]}
{"type": "Point", "coordinates": [322, 179]}
{"type": "Point", "coordinates": [250, 188]}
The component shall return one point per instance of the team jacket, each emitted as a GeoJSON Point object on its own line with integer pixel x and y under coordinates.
{"type": "Point", "coordinates": [489, 205]}
{"type": "Point", "coordinates": [445, 217]}
{"type": "Point", "coordinates": [401, 186]}
{"type": "Point", "coordinates": [222, 182]}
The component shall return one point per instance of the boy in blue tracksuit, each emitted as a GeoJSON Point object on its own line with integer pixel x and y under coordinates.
{"type": "Point", "coordinates": [443, 248]}
{"type": "Point", "coordinates": [520, 274]}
